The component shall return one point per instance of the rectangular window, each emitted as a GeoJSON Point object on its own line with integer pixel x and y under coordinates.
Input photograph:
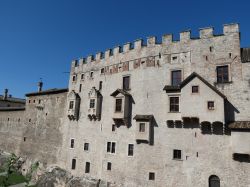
{"type": "Point", "coordinates": [142, 127]}
{"type": "Point", "coordinates": [92, 103]}
{"type": "Point", "coordinates": [74, 78]}
{"type": "Point", "coordinates": [111, 147]}
{"type": "Point", "coordinates": [130, 149]}
{"type": "Point", "coordinates": [174, 104]}
{"type": "Point", "coordinates": [71, 104]}
{"type": "Point", "coordinates": [195, 89]}
{"type": "Point", "coordinates": [86, 146]}
{"type": "Point", "coordinates": [82, 76]}
{"type": "Point", "coordinates": [102, 71]}
{"type": "Point", "coordinates": [210, 105]}
{"type": "Point", "coordinates": [80, 87]}
{"type": "Point", "coordinates": [100, 85]}
{"type": "Point", "coordinates": [87, 167]}
{"type": "Point", "coordinates": [126, 83]}
{"type": "Point", "coordinates": [91, 75]}
{"type": "Point", "coordinates": [72, 143]}
{"type": "Point", "coordinates": [109, 165]}
{"type": "Point", "coordinates": [222, 74]}
{"type": "Point", "coordinates": [73, 165]}
{"type": "Point", "coordinates": [113, 127]}
{"type": "Point", "coordinates": [151, 176]}
{"type": "Point", "coordinates": [177, 154]}
{"type": "Point", "coordinates": [176, 77]}
{"type": "Point", "coordinates": [118, 105]}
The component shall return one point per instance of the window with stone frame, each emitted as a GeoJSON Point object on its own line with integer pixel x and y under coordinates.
{"type": "Point", "coordinates": [195, 89]}
{"type": "Point", "coordinates": [92, 103]}
{"type": "Point", "coordinates": [87, 167]}
{"type": "Point", "coordinates": [210, 105]}
{"type": "Point", "coordinates": [126, 83]}
{"type": "Point", "coordinates": [71, 104]}
{"type": "Point", "coordinates": [118, 105]}
{"type": "Point", "coordinates": [82, 76]}
{"type": "Point", "coordinates": [176, 154]}
{"type": "Point", "coordinates": [142, 127]}
{"type": "Point", "coordinates": [151, 176]}
{"type": "Point", "coordinates": [72, 143]}
{"type": "Point", "coordinates": [176, 77]}
{"type": "Point", "coordinates": [174, 104]}
{"type": "Point", "coordinates": [111, 147]}
{"type": "Point", "coordinates": [109, 165]}
{"type": "Point", "coordinates": [130, 149]}
{"type": "Point", "coordinates": [74, 78]}
{"type": "Point", "coordinates": [222, 74]}
{"type": "Point", "coordinates": [86, 146]}
{"type": "Point", "coordinates": [73, 164]}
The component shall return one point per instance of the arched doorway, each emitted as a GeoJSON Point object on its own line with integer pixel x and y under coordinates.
{"type": "Point", "coordinates": [214, 181]}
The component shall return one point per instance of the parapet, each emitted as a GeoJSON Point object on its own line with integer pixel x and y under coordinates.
{"type": "Point", "coordinates": [167, 39]}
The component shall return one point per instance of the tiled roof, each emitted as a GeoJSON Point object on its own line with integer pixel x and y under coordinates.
{"type": "Point", "coordinates": [12, 99]}
{"type": "Point", "coordinates": [47, 92]}
{"type": "Point", "coordinates": [239, 125]}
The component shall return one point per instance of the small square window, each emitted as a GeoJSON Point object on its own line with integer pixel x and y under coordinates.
{"type": "Point", "coordinates": [195, 89]}
{"type": "Point", "coordinates": [151, 176]}
{"type": "Point", "coordinates": [142, 127]}
{"type": "Point", "coordinates": [174, 58]}
{"type": "Point", "coordinates": [210, 105]}
{"type": "Point", "coordinates": [86, 146]}
{"type": "Point", "coordinates": [177, 154]}
{"type": "Point", "coordinates": [109, 165]}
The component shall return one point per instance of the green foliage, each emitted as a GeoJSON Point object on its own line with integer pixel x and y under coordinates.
{"type": "Point", "coordinates": [33, 168]}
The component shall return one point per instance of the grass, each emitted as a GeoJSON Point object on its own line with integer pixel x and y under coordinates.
{"type": "Point", "coordinates": [14, 178]}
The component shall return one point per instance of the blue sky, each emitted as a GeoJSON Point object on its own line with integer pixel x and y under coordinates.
{"type": "Point", "coordinates": [39, 38]}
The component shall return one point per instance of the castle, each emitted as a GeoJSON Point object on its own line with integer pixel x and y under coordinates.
{"type": "Point", "coordinates": [175, 113]}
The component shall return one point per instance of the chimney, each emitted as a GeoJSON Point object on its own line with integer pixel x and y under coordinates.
{"type": "Point", "coordinates": [5, 94]}
{"type": "Point", "coordinates": [40, 86]}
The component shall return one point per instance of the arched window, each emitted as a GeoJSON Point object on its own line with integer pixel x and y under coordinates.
{"type": "Point", "coordinates": [214, 181]}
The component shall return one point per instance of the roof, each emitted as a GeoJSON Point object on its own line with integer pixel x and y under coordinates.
{"type": "Point", "coordinates": [11, 108]}
{"type": "Point", "coordinates": [170, 88]}
{"type": "Point", "coordinates": [123, 92]}
{"type": "Point", "coordinates": [12, 99]}
{"type": "Point", "coordinates": [239, 125]}
{"type": "Point", "coordinates": [48, 92]}
{"type": "Point", "coordinates": [245, 55]}
{"type": "Point", "coordinates": [190, 78]}
{"type": "Point", "coordinates": [143, 117]}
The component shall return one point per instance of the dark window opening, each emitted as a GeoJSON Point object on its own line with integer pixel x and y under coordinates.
{"type": "Point", "coordinates": [113, 147]}
{"type": "Point", "coordinates": [177, 154]}
{"type": "Point", "coordinates": [113, 127]}
{"type": "Point", "coordinates": [73, 165]}
{"type": "Point", "coordinates": [211, 49]}
{"type": "Point", "coordinates": [39, 101]}
{"type": "Point", "coordinates": [92, 103]}
{"type": "Point", "coordinates": [8, 119]}
{"type": "Point", "coordinates": [241, 157]}
{"type": "Point", "coordinates": [142, 127]}
{"type": "Point", "coordinates": [126, 83]}
{"type": "Point", "coordinates": [87, 167]}
{"type": "Point", "coordinates": [72, 143]}
{"type": "Point", "coordinates": [82, 76]}
{"type": "Point", "coordinates": [230, 55]}
{"type": "Point", "coordinates": [29, 120]}
{"type": "Point", "coordinates": [108, 147]}
{"type": "Point", "coordinates": [29, 101]}
{"type": "Point", "coordinates": [214, 181]}
{"type": "Point", "coordinates": [151, 176]}
{"type": "Point", "coordinates": [174, 58]}
{"type": "Point", "coordinates": [176, 77]}
{"type": "Point", "coordinates": [34, 101]}
{"type": "Point", "coordinates": [100, 85]}
{"type": "Point", "coordinates": [222, 74]}
{"type": "Point", "coordinates": [74, 78]}
{"type": "Point", "coordinates": [86, 146]}
{"type": "Point", "coordinates": [174, 104]}
{"type": "Point", "coordinates": [195, 89]}
{"type": "Point", "coordinates": [130, 149]}
{"type": "Point", "coordinates": [102, 71]}
{"type": "Point", "coordinates": [91, 74]}
{"type": "Point", "coordinates": [118, 105]}
{"type": "Point", "coordinates": [71, 104]}
{"type": "Point", "coordinates": [109, 165]}
{"type": "Point", "coordinates": [80, 87]}
{"type": "Point", "coordinates": [24, 139]}
{"type": "Point", "coordinates": [210, 105]}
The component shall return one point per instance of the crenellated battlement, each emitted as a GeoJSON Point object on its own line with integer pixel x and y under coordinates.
{"type": "Point", "coordinates": [167, 40]}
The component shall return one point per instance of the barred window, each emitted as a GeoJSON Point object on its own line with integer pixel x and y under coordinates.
{"type": "Point", "coordinates": [222, 74]}
{"type": "Point", "coordinates": [174, 104]}
{"type": "Point", "coordinates": [92, 103]}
